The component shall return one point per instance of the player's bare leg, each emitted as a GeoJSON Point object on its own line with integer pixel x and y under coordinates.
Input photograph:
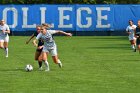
{"type": "Point", "coordinates": [6, 48]}
{"type": "Point", "coordinates": [57, 61]}
{"type": "Point", "coordinates": [2, 45]}
{"type": "Point", "coordinates": [39, 59]}
{"type": "Point", "coordinates": [44, 58]}
{"type": "Point", "coordinates": [133, 45]}
{"type": "Point", "coordinates": [139, 48]}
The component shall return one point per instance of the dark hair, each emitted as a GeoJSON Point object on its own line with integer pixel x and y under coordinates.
{"type": "Point", "coordinates": [130, 20]}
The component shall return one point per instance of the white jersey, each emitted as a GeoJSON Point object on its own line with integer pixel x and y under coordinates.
{"type": "Point", "coordinates": [131, 30]}
{"type": "Point", "coordinates": [4, 27]}
{"type": "Point", "coordinates": [48, 40]}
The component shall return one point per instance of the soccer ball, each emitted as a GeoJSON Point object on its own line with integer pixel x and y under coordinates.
{"type": "Point", "coordinates": [29, 67]}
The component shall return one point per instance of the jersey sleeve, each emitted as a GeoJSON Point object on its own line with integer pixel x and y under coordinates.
{"type": "Point", "coordinates": [7, 27]}
{"type": "Point", "coordinates": [135, 26]}
{"type": "Point", "coordinates": [39, 36]}
{"type": "Point", "coordinates": [127, 29]}
{"type": "Point", "coordinates": [52, 31]}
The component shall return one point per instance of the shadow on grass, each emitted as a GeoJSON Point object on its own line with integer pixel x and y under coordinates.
{"type": "Point", "coordinates": [12, 70]}
{"type": "Point", "coordinates": [105, 38]}
{"type": "Point", "coordinates": [118, 46]}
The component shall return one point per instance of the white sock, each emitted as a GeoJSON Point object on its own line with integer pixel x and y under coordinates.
{"type": "Point", "coordinates": [59, 62]}
{"type": "Point", "coordinates": [132, 46]}
{"type": "Point", "coordinates": [47, 65]}
{"type": "Point", "coordinates": [6, 51]}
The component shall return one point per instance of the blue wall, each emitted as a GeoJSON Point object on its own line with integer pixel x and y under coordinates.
{"type": "Point", "coordinates": [70, 17]}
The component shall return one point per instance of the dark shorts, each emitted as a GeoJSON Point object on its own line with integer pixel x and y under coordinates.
{"type": "Point", "coordinates": [39, 50]}
{"type": "Point", "coordinates": [138, 41]}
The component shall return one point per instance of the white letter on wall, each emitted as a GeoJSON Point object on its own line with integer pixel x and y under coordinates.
{"type": "Point", "coordinates": [100, 17]}
{"type": "Point", "coordinates": [25, 21]}
{"type": "Point", "coordinates": [79, 17]}
{"type": "Point", "coordinates": [43, 15]}
{"type": "Point", "coordinates": [15, 16]}
{"type": "Point", "coordinates": [62, 17]}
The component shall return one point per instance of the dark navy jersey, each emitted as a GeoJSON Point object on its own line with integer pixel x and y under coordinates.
{"type": "Point", "coordinates": [138, 34]}
{"type": "Point", "coordinates": [137, 31]}
{"type": "Point", "coordinates": [40, 42]}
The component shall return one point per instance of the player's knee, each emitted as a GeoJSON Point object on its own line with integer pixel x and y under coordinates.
{"type": "Point", "coordinates": [5, 46]}
{"type": "Point", "coordinates": [138, 46]}
{"type": "Point", "coordinates": [133, 43]}
{"type": "Point", "coordinates": [39, 59]}
{"type": "Point", "coordinates": [1, 47]}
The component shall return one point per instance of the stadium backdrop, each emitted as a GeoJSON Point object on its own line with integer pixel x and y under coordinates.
{"type": "Point", "coordinates": [70, 17]}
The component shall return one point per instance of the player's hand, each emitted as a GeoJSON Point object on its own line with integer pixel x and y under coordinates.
{"type": "Point", "coordinates": [3, 31]}
{"type": "Point", "coordinates": [136, 36]}
{"type": "Point", "coordinates": [27, 42]}
{"type": "Point", "coordinates": [40, 47]}
{"type": "Point", "coordinates": [69, 34]}
{"type": "Point", "coordinates": [133, 28]}
{"type": "Point", "coordinates": [129, 32]}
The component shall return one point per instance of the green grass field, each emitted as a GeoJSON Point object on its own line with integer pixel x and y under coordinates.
{"type": "Point", "coordinates": [90, 65]}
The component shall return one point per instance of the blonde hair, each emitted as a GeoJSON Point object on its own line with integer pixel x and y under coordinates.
{"type": "Point", "coordinates": [46, 25]}
{"type": "Point", "coordinates": [42, 27]}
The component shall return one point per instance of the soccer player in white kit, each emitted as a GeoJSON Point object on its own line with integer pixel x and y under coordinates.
{"type": "Point", "coordinates": [49, 45]}
{"type": "Point", "coordinates": [130, 31]}
{"type": "Point", "coordinates": [4, 37]}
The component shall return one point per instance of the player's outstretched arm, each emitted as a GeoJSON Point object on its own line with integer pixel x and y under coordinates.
{"type": "Point", "coordinates": [64, 33]}
{"type": "Point", "coordinates": [30, 39]}
{"type": "Point", "coordinates": [40, 47]}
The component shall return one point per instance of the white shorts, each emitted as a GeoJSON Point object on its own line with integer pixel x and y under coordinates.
{"type": "Point", "coordinates": [4, 39]}
{"type": "Point", "coordinates": [53, 52]}
{"type": "Point", "coordinates": [132, 38]}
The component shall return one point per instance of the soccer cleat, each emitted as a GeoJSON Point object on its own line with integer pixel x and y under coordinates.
{"type": "Point", "coordinates": [6, 56]}
{"type": "Point", "coordinates": [40, 68]}
{"type": "Point", "coordinates": [60, 65]}
{"type": "Point", "coordinates": [134, 50]}
{"type": "Point", "coordinates": [47, 69]}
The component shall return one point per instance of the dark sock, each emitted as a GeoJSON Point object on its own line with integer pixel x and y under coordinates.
{"type": "Point", "coordinates": [40, 63]}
